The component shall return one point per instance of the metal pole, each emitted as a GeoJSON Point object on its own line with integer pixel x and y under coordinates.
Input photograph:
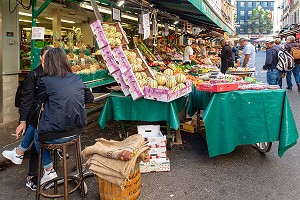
{"type": "Point", "coordinates": [33, 21]}
{"type": "Point", "coordinates": [96, 10]}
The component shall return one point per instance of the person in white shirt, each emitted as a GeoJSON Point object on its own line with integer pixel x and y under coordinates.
{"type": "Point", "coordinates": [248, 55]}
{"type": "Point", "coordinates": [188, 52]}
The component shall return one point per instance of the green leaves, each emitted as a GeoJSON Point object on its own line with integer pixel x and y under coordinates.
{"type": "Point", "coordinates": [260, 20]}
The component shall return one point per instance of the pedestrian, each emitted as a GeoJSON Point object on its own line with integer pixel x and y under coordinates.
{"type": "Point", "coordinates": [235, 51]}
{"type": "Point", "coordinates": [226, 57]}
{"type": "Point", "coordinates": [63, 95]}
{"type": "Point", "coordinates": [248, 55]}
{"type": "Point", "coordinates": [188, 55]}
{"type": "Point", "coordinates": [273, 74]}
{"type": "Point", "coordinates": [278, 43]}
{"type": "Point", "coordinates": [292, 43]}
{"type": "Point", "coordinates": [203, 53]}
{"type": "Point", "coordinates": [28, 119]}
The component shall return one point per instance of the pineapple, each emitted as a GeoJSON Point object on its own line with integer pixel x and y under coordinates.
{"type": "Point", "coordinates": [61, 44]}
{"type": "Point", "coordinates": [56, 39]}
{"type": "Point", "coordinates": [71, 50]}
{"type": "Point", "coordinates": [82, 48]}
{"type": "Point", "coordinates": [70, 37]}
{"type": "Point", "coordinates": [78, 37]}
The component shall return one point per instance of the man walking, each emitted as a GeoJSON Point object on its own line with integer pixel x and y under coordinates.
{"type": "Point", "coordinates": [273, 74]}
{"type": "Point", "coordinates": [290, 44]}
{"type": "Point", "coordinates": [248, 55]}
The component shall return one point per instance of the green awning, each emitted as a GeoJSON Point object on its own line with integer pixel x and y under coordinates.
{"type": "Point", "coordinates": [196, 12]}
{"type": "Point", "coordinates": [205, 9]}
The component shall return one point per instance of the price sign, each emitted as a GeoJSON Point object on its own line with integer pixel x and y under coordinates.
{"type": "Point", "coordinates": [38, 33]}
{"type": "Point", "coordinates": [116, 14]}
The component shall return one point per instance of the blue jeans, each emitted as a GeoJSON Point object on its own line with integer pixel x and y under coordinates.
{"type": "Point", "coordinates": [296, 72]}
{"type": "Point", "coordinates": [274, 77]}
{"type": "Point", "coordinates": [46, 157]}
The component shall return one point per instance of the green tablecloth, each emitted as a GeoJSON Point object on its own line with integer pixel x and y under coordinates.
{"type": "Point", "coordinates": [119, 107]}
{"type": "Point", "coordinates": [198, 99]}
{"type": "Point", "coordinates": [249, 117]}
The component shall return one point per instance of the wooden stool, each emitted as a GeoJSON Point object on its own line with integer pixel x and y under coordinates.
{"type": "Point", "coordinates": [41, 188]}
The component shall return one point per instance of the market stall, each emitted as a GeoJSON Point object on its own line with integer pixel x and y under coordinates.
{"type": "Point", "coordinates": [245, 117]}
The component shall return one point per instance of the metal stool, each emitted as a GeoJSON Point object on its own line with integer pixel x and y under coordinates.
{"type": "Point", "coordinates": [78, 180]}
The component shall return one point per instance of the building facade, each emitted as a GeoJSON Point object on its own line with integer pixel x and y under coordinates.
{"type": "Point", "coordinates": [244, 12]}
{"type": "Point", "coordinates": [290, 15]}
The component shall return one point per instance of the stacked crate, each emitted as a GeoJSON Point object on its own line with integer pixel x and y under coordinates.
{"type": "Point", "coordinates": [158, 152]}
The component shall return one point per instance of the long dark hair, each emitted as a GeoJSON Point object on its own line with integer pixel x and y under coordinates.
{"type": "Point", "coordinates": [45, 48]}
{"type": "Point", "coordinates": [56, 63]}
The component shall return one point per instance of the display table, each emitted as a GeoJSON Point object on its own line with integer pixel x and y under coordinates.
{"type": "Point", "coordinates": [119, 107]}
{"type": "Point", "coordinates": [248, 117]}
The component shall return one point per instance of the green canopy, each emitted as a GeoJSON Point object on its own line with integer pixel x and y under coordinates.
{"type": "Point", "coordinates": [196, 12]}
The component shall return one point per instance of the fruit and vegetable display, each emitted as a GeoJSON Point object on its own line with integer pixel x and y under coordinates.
{"type": "Point", "coordinates": [113, 36]}
{"type": "Point", "coordinates": [81, 63]}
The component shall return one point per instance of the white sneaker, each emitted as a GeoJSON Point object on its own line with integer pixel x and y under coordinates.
{"type": "Point", "coordinates": [13, 156]}
{"type": "Point", "coordinates": [48, 176]}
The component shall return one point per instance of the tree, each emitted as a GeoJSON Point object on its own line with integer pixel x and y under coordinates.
{"type": "Point", "coordinates": [261, 20]}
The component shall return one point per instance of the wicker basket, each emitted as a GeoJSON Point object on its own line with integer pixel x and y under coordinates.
{"type": "Point", "coordinates": [132, 190]}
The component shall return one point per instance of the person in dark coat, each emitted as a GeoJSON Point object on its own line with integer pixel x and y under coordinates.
{"type": "Point", "coordinates": [226, 57]}
{"type": "Point", "coordinates": [28, 120]}
{"type": "Point", "coordinates": [63, 95]}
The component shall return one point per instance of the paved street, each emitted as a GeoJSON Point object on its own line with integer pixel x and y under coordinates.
{"type": "Point", "coordinates": [243, 174]}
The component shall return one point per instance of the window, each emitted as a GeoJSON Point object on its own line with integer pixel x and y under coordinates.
{"type": "Point", "coordinates": [242, 21]}
{"type": "Point", "coordinates": [256, 22]}
{"type": "Point", "coordinates": [256, 30]}
{"type": "Point", "coordinates": [242, 30]}
{"type": "Point", "coordinates": [242, 13]}
{"type": "Point", "coordinates": [265, 4]}
{"type": "Point", "coordinates": [242, 4]}
{"type": "Point", "coordinates": [257, 4]}
{"type": "Point", "coordinates": [272, 4]}
{"type": "Point", "coordinates": [250, 4]}
{"type": "Point", "coordinates": [249, 30]}
{"type": "Point", "coordinates": [249, 12]}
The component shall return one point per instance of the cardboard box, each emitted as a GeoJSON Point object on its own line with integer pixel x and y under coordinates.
{"type": "Point", "coordinates": [166, 95]}
{"type": "Point", "coordinates": [156, 153]}
{"type": "Point", "coordinates": [153, 135]}
{"type": "Point", "coordinates": [188, 127]}
{"type": "Point", "coordinates": [108, 57]}
{"type": "Point", "coordinates": [122, 59]}
{"type": "Point", "coordinates": [118, 77]}
{"type": "Point", "coordinates": [218, 87]}
{"type": "Point", "coordinates": [134, 88]}
{"type": "Point", "coordinates": [158, 165]}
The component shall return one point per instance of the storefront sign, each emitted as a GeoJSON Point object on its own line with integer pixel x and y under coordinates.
{"type": "Point", "coordinates": [10, 34]}
{"type": "Point", "coordinates": [38, 33]}
{"type": "Point", "coordinates": [146, 32]}
{"type": "Point", "coordinates": [146, 20]}
{"type": "Point", "coordinates": [116, 14]}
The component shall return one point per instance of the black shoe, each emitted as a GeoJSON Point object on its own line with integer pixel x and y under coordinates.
{"type": "Point", "coordinates": [31, 182]}
{"type": "Point", "coordinates": [289, 88]}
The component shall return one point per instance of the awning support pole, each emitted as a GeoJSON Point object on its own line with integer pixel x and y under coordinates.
{"type": "Point", "coordinates": [35, 14]}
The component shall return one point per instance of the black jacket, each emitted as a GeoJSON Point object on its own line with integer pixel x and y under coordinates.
{"type": "Point", "coordinates": [29, 90]}
{"type": "Point", "coordinates": [64, 106]}
{"type": "Point", "coordinates": [226, 58]}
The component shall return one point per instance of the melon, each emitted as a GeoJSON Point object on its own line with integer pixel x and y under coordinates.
{"type": "Point", "coordinates": [144, 75]}
{"type": "Point", "coordinates": [171, 82]}
{"type": "Point", "coordinates": [168, 72]}
{"type": "Point", "coordinates": [152, 83]}
{"type": "Point", "coordinates": [161, 79]}
{"type": "Point", "coordinates": [139, 61]}
{"type": "Point", "coordinates": [162, 87]}
{"type": "Point", "coordinates": [175, 88]}
{"type": "Point", "coordinates": [181, 85]}
{"type": "Point", "coordinates": [138, 75]}
{"type": "Point", "coordinates": [180, 78]}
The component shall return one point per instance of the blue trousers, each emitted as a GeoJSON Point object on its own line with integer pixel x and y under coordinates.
{"type": "Point", "coordinates": [274, 77]}
{"type": "Point", "coordinates": [296, 74]}
{"type": "Point", "coordinates": [31, 135]}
